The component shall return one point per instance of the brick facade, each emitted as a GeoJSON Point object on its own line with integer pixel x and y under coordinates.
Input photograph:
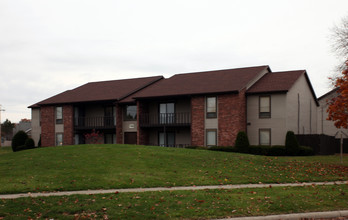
{"type": "Point", "coordinates": [68, 120]}
{"type": "Point", "coordinates": [142, 134]}
{"type": "Point", "coordinates": [119, 125]}
{"type": "Point", "coordinates": [231, 117]}
{"type": "Point", "coordinates": [197, 120]}
{"type": "Point", "coordinates": [47, 126]}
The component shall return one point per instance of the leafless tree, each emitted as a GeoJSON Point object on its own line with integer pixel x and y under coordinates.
{"type": "Point", "coordinates": [340, 42]}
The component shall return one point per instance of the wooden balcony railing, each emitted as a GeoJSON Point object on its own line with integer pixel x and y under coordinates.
{"type": "Point", "coordinates": [95, 122]}
{"type": "Point", "coordinates": [165, 119]}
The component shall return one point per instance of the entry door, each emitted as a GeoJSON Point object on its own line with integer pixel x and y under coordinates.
{"type": "Point", "coordinates": [166, 139]}
{"type": "Point", "coordinates": [130, 137]}
{"type": "Point", "coordinates": [167, 112]}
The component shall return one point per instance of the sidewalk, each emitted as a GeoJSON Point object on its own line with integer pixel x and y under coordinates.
{"type": "Point", "coordinates": [105, 191]}
{"type": "Point", "coordinates": [309, 215]}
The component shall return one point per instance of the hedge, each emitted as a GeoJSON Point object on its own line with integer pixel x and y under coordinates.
{"type": "Point", "coordinates": [276, 150]}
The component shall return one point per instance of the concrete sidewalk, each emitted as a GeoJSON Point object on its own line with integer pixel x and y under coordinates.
{"type": "Point", "coordinates": [105, 191]}
{"type": "Point", "coordinates": [296, 216]}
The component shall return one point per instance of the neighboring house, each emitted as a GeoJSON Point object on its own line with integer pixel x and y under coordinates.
{"type": "Point", "coordinates": [202, 109]}
{"type": "Point", "coordinates": [327, 127]}
{"type": "Point", "coordinates": [23, 125]}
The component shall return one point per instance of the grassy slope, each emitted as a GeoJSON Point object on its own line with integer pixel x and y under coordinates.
{"type": "Point", "coordinates": [122, 166]}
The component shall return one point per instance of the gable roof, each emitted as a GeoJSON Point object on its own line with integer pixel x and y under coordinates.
{"type": "Point", "coordinates": [218, 81]}
{"type": "Point", "coordinates": [280, 82]}
{"type": "Point", "coordinates": [328, 93]}
{"type": "Point", "coordinates": [100, 91]}
{"type": "Point", "coordinates": [276, 82]}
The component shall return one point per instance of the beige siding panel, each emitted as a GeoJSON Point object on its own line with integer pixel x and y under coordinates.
{"type": "Point", "coordinates": [304, 122]}
{"type": "Point", "coordinates": [325, 126]}
{"type": "Point", "coordinates": [129, 126]}
{"type": "Point", "coordinates": [35, 125]}
{"type": "Point", "coordinates": [59, 128]}
{"type": "Point", "coordinates": [276, 123]}
{"type": "Point", "coordinates": [211, 123]}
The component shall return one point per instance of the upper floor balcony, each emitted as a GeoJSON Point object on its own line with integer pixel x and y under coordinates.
{"type": "Point", "coordinates": [99, 122]}
{"type": "Point", "coordinates": [165, 119]}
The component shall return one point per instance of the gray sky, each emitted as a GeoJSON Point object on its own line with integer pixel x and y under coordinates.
{"type": "Point", "coordinates": [49, 46]}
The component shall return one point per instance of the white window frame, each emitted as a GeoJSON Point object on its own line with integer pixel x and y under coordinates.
{"type": "Point", "coordinates": [58, 142]}
{"type": "Point", "coordinates": [265, 130]}
{"type": "Point", "coordinates": [208, 142]}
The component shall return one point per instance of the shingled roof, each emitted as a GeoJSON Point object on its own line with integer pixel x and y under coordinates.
{"type": "Point", "coordinates": [100, 91]}
{"type": "Point", "coordinates": [219, 81]}
{"type": "Point", "coordinates": [279, 82]}
{"type": "Point", "coordinates": [276, 82]}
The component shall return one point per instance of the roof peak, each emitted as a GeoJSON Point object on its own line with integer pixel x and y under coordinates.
{"type": "Point", "coordinates": [220, 70]}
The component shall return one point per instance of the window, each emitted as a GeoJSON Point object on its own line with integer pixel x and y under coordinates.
{"type": "Point", "coordinates": [59, 139]}
{"type": "Point", "coordinates": [265, 137]}
{"type": "Point", "coordinates": [167, 113]}
{"type": "Point", "coordinates": [211, 137]}
{"type": "Point", "coordinates": [130, 113]}
{"type": "Point", "coordinates": [109, 139]}
{"type": "Point", "coordinates": [166, 139]}
{"type": "Point", "coordinates": [265, 107]}
{"type": "Point", "coordinates": [211, 107]}
{"type": "Point", "coordinates": [59, 115]}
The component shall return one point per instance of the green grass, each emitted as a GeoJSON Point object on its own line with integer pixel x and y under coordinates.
{"type": "Point", "coordinates": [127, 166]}
{"type": "Point", "coordinates": [200, 204]}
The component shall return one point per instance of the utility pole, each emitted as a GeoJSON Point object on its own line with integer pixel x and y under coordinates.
{"type": "Point", "coordinates": [0, 124]}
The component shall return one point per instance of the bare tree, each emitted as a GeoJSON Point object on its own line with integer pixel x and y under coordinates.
{"type": "Point", "coordinates": [340, 42]}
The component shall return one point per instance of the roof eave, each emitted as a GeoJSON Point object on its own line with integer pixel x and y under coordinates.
{"type": "Point", "coordinates": [188, 94]}
{"type": "Point", "coordinates": [267, 92]}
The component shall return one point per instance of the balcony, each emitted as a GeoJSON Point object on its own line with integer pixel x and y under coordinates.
{"type": "Point", "coordinates": [102, 122]}
{"type": "Point", "coordinates": [165, 119]}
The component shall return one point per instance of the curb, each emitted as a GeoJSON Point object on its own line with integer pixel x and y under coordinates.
{"type": "Point", "coordinates": [106, 191]}
{"type": "Point", "coordinates": [330, 214]}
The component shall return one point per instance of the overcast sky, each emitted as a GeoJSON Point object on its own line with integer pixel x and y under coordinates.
{"type": "Point", "coordinates": [49, 46]}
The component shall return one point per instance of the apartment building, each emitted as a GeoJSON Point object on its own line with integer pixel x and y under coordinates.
{"type": "Point", "coordinates": [203, 108]}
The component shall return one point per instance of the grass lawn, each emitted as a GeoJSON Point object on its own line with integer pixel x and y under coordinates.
{"type": "Point", "coordinates": [200, 204]}
{"type": "Point", "coordinates": [127, 166]}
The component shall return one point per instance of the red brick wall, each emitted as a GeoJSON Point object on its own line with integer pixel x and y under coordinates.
{"type": "Point", "coordinates": [47, 126]}
{"type": "Point", "coordinates": [119, 125]}
{"type": "Point", "coordinates": [142, 135]}
{"type": "Point", "coordinates": [197, 120]}
{"type": "Point", "coordinates": [68, 120]}
{"type": "Point", "coordinates": [231, 117]}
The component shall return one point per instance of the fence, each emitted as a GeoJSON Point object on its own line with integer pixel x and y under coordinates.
{"type": "Point", "coordinates": [322, 144]}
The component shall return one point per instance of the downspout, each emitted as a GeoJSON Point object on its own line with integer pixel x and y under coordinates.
{"type": "Point", "coordinates": [298, 113]}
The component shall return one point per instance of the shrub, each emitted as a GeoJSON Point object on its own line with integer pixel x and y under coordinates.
{"type": "Point", "coordinates": [305, 151]}
{"type": "Point", "coordinates": [258, 150]}
{"type": "Point", "coordinates": [242, 141]}
{"type": "Point", "coordinates": [19, 140]}
{"type": "Point", "coordinates": [276, 150]}
{"type": "Point", "coordinates": [29, 143]}
{"type": "Point", "coordinates": [291, 144]}
{"type": "Point", "coordinates": [196, 147]}
{"type": "Point", "coordinates": [224, 149]}
{"type": "Point", "coordinates": [94, 137]}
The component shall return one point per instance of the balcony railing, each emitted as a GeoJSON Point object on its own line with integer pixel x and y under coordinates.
{"type": "Point", "coordinates": [95, 122]}
{"type": "Point", "coordinates": [165, 119]}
